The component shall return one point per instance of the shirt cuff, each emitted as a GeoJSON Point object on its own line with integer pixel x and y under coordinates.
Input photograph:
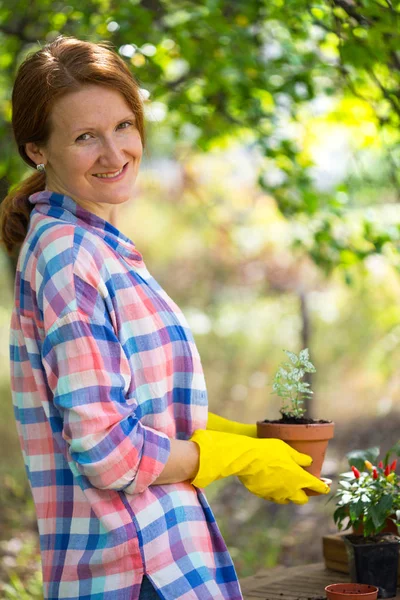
{"type": "Point", "coordinates": [155, 454]}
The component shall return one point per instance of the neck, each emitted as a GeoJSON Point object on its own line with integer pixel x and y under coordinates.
{"type": "Point", "coordinates": [113, 217]}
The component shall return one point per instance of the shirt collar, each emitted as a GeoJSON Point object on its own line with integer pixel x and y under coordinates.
{"type": "Point", "coordinates": [65, 208]}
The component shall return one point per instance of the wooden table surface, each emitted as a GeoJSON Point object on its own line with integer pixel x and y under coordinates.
{"type": "Point", "coordinates": [305, 582]}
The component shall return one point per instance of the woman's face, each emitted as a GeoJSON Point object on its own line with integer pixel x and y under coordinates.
{"type": "Point", "coordinates": [93, 134]}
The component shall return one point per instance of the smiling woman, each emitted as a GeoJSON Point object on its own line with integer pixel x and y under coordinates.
{"type": "Point", "coordinates": [107, 152]}
{"type": "Point", "coordinates": [107, 384]}
{"type": "Point", "coordinates": [83, 97]}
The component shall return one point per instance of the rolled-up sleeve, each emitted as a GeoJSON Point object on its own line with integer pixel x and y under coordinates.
{"type": "Point", "coordinates": [88, 374]}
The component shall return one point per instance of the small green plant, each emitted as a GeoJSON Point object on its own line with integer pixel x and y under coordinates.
{"type": "Point", "coordinates": [288, 383]}
{"type": "Point", "coordinates": [368, 496]}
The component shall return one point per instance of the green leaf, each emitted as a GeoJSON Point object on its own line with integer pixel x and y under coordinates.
{"type": "Point", "coordinates": [393, 450]}
{"type": "Point", "coordinates": [356, 510]}
{"type": "Point", "coordinates": [297, 374]}
{"type": "Point", "coordinates": [381, 511]}
{"type": "Point", "coordinates": [385, 503]}
{"type": "Point", "coordinates": [357, 458]}
{"type": "Point", "coordinates": [340, 514]}
{"type": "Point", "coordinates": [376, 517]}
{"type": "Point", "coordinates": [369, 527]}
{"type": "Point", "coordinates": [310, 367]}
{"type": "Point", "coordinates": [292, 356]}
{"type": "Point", "coordinates": [304, 355]}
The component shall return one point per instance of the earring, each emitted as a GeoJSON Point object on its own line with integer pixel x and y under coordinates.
{"type": "Point", "coordinates": [41, 168]}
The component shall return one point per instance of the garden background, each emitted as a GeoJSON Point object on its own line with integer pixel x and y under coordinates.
{"type": "Point", "coordinates": [268, 208]}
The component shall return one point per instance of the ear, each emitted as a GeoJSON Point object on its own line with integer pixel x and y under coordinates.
{"type": "Point", "coordinates": [38, 155]}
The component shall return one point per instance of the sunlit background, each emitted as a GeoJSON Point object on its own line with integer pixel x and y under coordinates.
{"type": "Point", "coordinates": [267, 207]}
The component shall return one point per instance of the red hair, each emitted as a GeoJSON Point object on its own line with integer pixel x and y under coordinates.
{"type": "Point", "coordinates": [62, 66]}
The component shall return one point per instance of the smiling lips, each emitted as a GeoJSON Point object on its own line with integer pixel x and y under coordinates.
{"type": "Point", "coordinates": [110, 175]}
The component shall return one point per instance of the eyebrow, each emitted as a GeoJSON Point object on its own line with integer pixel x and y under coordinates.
{"type": "Point", "coordinates": [131, 117]}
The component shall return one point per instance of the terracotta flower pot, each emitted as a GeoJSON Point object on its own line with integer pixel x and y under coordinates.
{"type": "Point", "coordinates": [390, 527]}
{"type": "Point", "coordinates": [348, 591]}
{"type": "Point", "coordinates": [311, 439]}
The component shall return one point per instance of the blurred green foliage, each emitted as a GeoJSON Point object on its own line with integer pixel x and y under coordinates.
{"type": "Point", "coordinates": [240, 70]}
{"type": "Point", "coordinates": [243, 99]}
{"type": "Point", "coordinates": [25, 577]}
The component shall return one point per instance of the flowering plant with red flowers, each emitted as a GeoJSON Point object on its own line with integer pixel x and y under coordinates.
{"type": "Point", "coordinates": [368, 496]}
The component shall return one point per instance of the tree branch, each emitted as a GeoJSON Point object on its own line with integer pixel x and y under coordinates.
{"type": "Point", "coordinates": [18, 31]}
{"type": "Point", "coordinates": [348, 7]}
{"type": "Point", "coordinates": [386, 93]}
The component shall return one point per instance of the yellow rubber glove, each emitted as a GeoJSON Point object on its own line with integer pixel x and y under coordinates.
{"type": "Point", "coordinates": [217, 423]}
{"type": "Point", "coordinates": [269, 468]}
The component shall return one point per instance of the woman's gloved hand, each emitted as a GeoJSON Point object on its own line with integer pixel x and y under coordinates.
{"type": "Point", "coordinates": [217, 423]}
{"type": "Point", "coordinates": [269, 468]}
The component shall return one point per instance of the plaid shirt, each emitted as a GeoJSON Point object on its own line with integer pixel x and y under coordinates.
{"type": "Point", "coordinates": [104, 371]}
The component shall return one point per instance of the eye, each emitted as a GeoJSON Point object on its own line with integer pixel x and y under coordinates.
{"type": "Point", "coordinates": [128, 123]}
{"type": "Point", "coordinates": [80, 138]}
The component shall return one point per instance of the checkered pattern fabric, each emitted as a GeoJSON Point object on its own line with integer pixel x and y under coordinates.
{"type": "Point", "coordinates": [104, 371]}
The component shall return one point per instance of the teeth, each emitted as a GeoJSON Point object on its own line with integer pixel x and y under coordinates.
{"type": "Point", "coordinates": [107, 176]}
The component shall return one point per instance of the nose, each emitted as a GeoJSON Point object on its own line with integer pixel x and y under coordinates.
{"type": "Point", "coordinates": [112, 156]}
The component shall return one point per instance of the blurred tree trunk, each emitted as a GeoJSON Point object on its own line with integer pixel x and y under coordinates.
{"type": "Point", "coordinates": [305, 343]}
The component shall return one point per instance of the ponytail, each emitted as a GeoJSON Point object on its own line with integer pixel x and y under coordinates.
{"type": "Point", "coordinates": [15, 211]}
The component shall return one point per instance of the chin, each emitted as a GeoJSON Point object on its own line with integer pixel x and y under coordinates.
{"type": "Point", "coordinates": [122, 199]}
{"type": "Point", "coordinates": [116, 198]}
